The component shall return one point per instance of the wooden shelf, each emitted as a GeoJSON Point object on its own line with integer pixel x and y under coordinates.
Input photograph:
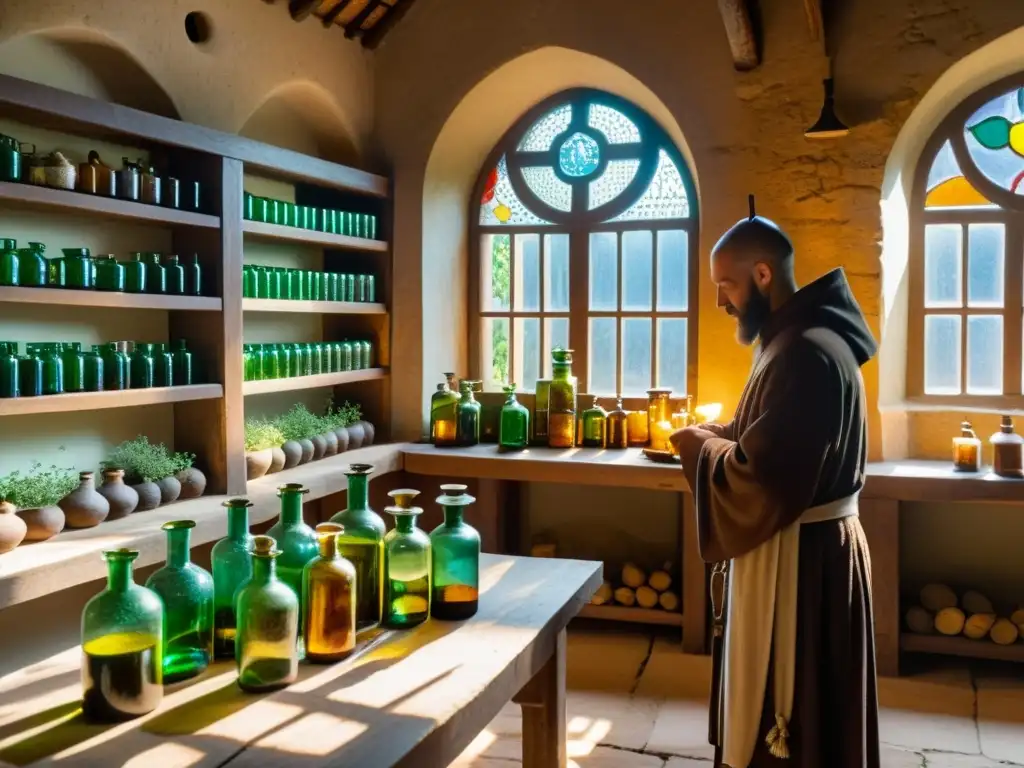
{"type": "Point", "coordinates": [312, 382]}
{"type": "Point", "coordinates": [261, 231]}
{"type": "Point", "coordinates": [961, 646]}
{"type": "Point", "coordinates": [45, 198]}
{"type": "Point", "coordinates": [72, 298]}
{"type": "Point", "coordinates": [936, 481]}
{"type": "Point", "coordinates": [94, 401]}
{"type": "Point", "coordinates": [631, 615]}
{"type": "Point", "coordinates": [314, 307]}
{"type": "Point", "coordinates": [72, 556]}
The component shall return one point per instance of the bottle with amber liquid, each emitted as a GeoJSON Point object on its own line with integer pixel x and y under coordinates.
{"type": "Point", "coordinates": [595, 424]}
{"type": "Point", "coordinates": [328, 600]}
{"type": "Point", "coordinates": [468, 415]}
{"type": "Point", "coordinates": [1007, 449]}
{"type": "Point", "coordinates": [617, 426]}
{"type": "Point", "coordinates": [539, 422]}
{"type": "Point", "coordinates": [406, 563]}
{"type": "Point", "coordinates": [659, 418]}
{"type": "Point", "coordinates": [966, 449]}
{"type": "Point", "coordinates": [122, 646]}
{"type": "Point", "coordinates": [231, 562]}
{"type": "Point", "coordinates": [362, 544]}
{"type": "Point", "coordinates": [455, 559]}
{"type": "Point", "coordinates": [444, 405]}
{"type": "Point", "coordinates": [562, 401]}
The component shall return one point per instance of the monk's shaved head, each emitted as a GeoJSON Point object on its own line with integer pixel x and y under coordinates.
{"type": "Point", "coordinates": [756, 239]}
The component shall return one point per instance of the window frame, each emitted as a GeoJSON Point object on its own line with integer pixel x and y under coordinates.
{"type": "Point", "coordinates": [653, 139]}
{"type": "Point", "coordinates": [1011, 216]}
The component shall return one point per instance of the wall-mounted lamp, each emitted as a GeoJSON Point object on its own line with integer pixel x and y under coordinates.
{"type": "Point", "coordinates": [828, 126]}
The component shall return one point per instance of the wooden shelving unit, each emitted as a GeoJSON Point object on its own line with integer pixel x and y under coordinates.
{"type": "Point", "coordinates": [315, 307]}
{"type": "Point", "coordinates": [313, 382]}
{"type": "Point", "coordinates": [961, 646]}
{"type": "Point", "coordinates": [263, 231]}
{"type": "Point", "coordinates": [631, 615]}
{"type": "Point", "coordinates": [69, 298]}
{"type": "Point", "coordinates": [95, 401]}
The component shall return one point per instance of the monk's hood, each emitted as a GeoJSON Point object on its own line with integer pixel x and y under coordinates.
{"type": "Point", "coordinates": [826, 303]}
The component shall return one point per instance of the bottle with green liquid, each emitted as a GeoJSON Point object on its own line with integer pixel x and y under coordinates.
{"type": "Point", "coordinates": [187, 594]}
{"type": "Point", "coordinates": [296, 540]}
{"type": "Point", "coordinates": [362, 544]}
{"type": "Point", "coordinates": [407, 564]}
{"type": "Point", "coordinates": [231, 560]}
{"type": "Point", "coordinates": [122, 643]}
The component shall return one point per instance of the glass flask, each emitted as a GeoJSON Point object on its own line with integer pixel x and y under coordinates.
{"type": "Point", "coordinates": [540, 412]}
{"type": "Point", "coordinates": [122, 642]}
{"type": "Point", "coordinates": [295, 540]}
{"type": "Point", "coordinates": [30, 374]}
{"type": "Point", "coordinates": [175, 275]}
{"type": "Point", "coordinates": [407, 562]}
{"type": "Point", "coordinates": [74, 366]}
{"type": "Point", "coordinates": [443, 415]}
{"type": "Point", "coordinates": [362, 544]}
{"type": "Point", "coordinates": [267, 617]}
{"type": "Point", "coordinates": [328, 600]}
{"type": "Point", "coordinates": [142, 370]}
{"type": "Point", "coordinates": [194, 277]}
{"type": "Point", "coordinates": [135, 275]}
{"type": "Point", "coordinates": [455, 559]}
{"type": "Point", "coordinates": [182, 364]}
{"type": "Point", "coordinates": [32, 268]}
{"type": "Point", "coordinates": [514, 432]}
{"type": "Point", "coordinates": [231, 560]}
{"type": "Point", "coordinates": [53, 369]}
{"type": "Point", "coordinates": [467, 415]}
{"type": "Point", "coordinates": [156, 275]}
{"type": "Point", "coordinates": [93, 375]}
{"type": "Point", "coordinates": [78, 268]}
{"type": "Point", "coordinates": [9, 384]}
{"type": "Point", "coordinates": [617, 426]}
{"type": "Point", "coordinates": [637, 428]}
{"type": "Point", "coordinates": [163, 366]}
{"type": "Point", "coordinates": [186, 591]}
{"type": "Point", "coordinates": [659, 418]}
{"type": "Point", "coordinates": [110, 275]}
{"type": "Point", "coordinates": [595, 425]}
{"type": "Point", "coordinates": [562, 401]}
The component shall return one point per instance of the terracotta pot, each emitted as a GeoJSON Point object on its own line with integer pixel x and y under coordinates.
{"type": "Point", "coordinates": [84, 507]}
{"type": "Point", "coordinates": [356, 435]}
{"type": "Point", "coordinates": [170, 489]}
{"type": "Point", "coordinates": [149, 496]}
{"type": "Point", "coordinates": [292, 454]}
{"type": "Point", "coordinates": [307, 450]}
{"type": "Point", "coordinates": [257, 463]}
{"type": "Point", "coordinates": [122, 498]}
{"type": "Point", "coordinates": [370, 431]}
{"type": "Point", "coordinates": [277, 460]}
{"type": "Point", "coordinates": [332, 443]}
{"type": "Point", "coordinates": [193, 483]}
{"type": "Point", "coordinates": [319, 446]}
{"type": "Point", "coordinates": [343, 440]}
{"type": "Point", "coordinates": [12, 528]}
{"type": "Point", "coordinates": [42, 523]}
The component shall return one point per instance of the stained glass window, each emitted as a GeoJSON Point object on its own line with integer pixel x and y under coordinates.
{"type": "Point", "coordinates": [587, 209]}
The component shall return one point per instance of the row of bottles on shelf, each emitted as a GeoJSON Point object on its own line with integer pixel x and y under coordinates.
{"type": "Point", "coordinates": [287, 214]}
{"type": "Point", "coordinates": [273, 600]}
{"type": "Point", "coordinates": [285, 361]}
{"type": "Point", "coordinates": [1007, 450]}
{"type": "Point", "coordinates": [78, 269]}
{"type": "Point", "coordinates": [62, 367]}
{"type": "Point", "coordinates": [260, 282]}
{"type": "Point", "coordinates": [557, 420]}
{"type": "Point", "coordinates": [139, 182]}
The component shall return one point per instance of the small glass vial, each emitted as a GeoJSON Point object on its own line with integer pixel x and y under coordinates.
{"type": "Point", "coordinates": [966, 449]}
{"type": "Point", "coordinates": [1007, 450]}
{"type": "Point", "coordinates": [595, 425]}
{"type": "Point", "coordinates": [617, 426]}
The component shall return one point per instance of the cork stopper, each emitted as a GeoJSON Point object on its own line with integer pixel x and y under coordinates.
{"type": "Point", "coordinates": [292, 488]}
{"type": "Point", "coordinates": [1006, 425]}
{"type": "Point", "coordinates": [403, 497]}
{"type": "Point", "coordinates": [454, 495]}
{"type": "Point", "coordinates": [359, 469]}
{"type": "Point", "coordinates": [240, 502]}
{"type": "Point", "coordinates": [265, 546]}
{"type": "Point", "coordinates": [966, 429]}
{"type": "Point", "coordinates": [328, 529]}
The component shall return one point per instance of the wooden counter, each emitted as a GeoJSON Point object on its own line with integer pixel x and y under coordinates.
{"type": "Point", "coordinates": [414, 698]}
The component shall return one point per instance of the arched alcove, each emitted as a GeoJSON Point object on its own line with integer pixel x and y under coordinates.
{"type": "Point", "coordinates": [86, 62]}
{"type": "Point", "coordinates": [303, 116]}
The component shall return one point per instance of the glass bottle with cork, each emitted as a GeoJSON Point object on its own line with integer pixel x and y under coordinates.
{"type": "Point", "coordinates": [966, 449]}
{"type": "Point", "coordinates": [468, 414]}
{"type": "Point", "coordinates": [617, 426]}
{"type": "Point", "coordinates": [407, 564]}
{"type": "Point", "coordinates": [562, 401]}
{"type": "Point", "coordinates": [328, 600]}
{"type": "Point", "coordinates": [1007, 448]}
{"type": "Point", "coordinates": [455, 559]}
{"type": "Point", "coordinates": [231, 561]}
{"type": "Point", "coordinates": [444, 405]}
{"type": "Point", "coordinates": [595, 425]}
{"type": "Point", "coordinates": [362, 544]}
{"type": "Point", "coordinates": [514, 425]}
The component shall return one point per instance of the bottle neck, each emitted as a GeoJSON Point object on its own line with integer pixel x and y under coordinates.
{"type": "Point", "coordinates": [328, 547]}
{"type": "Point", "coordinates": [264, 569]}
{"type": "Point", "coordinates": [560, 371]}
{"type": "Point", "coordinates": [238, 523]}
{"type": "Point", "coordinates": [119, 575]}
{"type": "Point", "coordinates": [178, 547]}
{"type": "Point", "coordinates": [452, 516]}
{"type": "Point", "coordinates": [406, 523]}
{"type": "Point", "coordinates": [357, 492]}
{"type": "Point", "coordinates": [291, 508]}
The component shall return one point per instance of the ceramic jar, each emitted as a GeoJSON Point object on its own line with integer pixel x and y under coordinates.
{"type": "Point", "coordinates": [84, 507]}
{"type": "Point", "coordinates": [308, 449]}
{"type": "Point", "coordinates": [257, 463]}
{"type": "Point", "coordinates": [60, 173]}
{"type": "Point", "coordinates": [277, 459]}
{"type": "Point", "coordinates": [319, 446]}
{"type": "Point", "coordinates": [123, 499]}
{"type": "Point", "coordinates": [43, 522]}
{"type": "Point", "coordinates": [292, 450]}
{"type": "Point", "coordinates": [356, 435]}
{"type": "Point", "coordinates": [343, 440]}
{"type": "Point", "coordinates": [12, 528]}
{"type": "Point", "coordinates": [170, 489]}
{"type": "Point", "coordinates": [193, 483]}
{"type": "Point", "coordinates": [96, 178]}
{"type": "Point", "coordinates": [331, 440]}
{"type": "Point", "coordinates": [149, 496]}
{"type": "Point", "coordinates": [368, 432]}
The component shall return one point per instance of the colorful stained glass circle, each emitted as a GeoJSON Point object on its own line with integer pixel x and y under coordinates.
{"type": "Point", "coordinates": [579, 156]}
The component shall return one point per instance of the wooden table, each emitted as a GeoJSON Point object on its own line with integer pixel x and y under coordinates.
{"type": "Point", "coordinates": [414, 699]}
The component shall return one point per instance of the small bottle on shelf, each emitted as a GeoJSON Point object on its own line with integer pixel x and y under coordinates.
{"type": "Point", "coordinates": [444, 415]}
{"type": "Point", "coordinates": [468, 415]}
{"type": "Point", "coordinates": [156, 275]}
{"type": "Point", "coordinates": [328, 600]}
{"type": "Point", "coordinates": [174, 275]}
{"type": "Point", "coordinates": [966, 449]}
{"type": "Point", "coordinates": [618, 426]}
{"type": "Point", "coordinates": [455, 559]}
{"type": "Point", "coordinates": [595, 423]}
{"type": "Point", "coordinates": [182, 364]}
{"type": "Point", "coordinates": [296, 540]}
{"type": "Point", "coordinates": [135, 275]}
{"type": "Point", "coordinates": [9, 384]}
{"type": "Point", "coordinates": [514, 425]}
{"type": "Point", "coordinates": [407, 562]}
{"type": "Point", "coordinates": [231, 561]}
{"type": "Point", "coordinates": [1007, 450]}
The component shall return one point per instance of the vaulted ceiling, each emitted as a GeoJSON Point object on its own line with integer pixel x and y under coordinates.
{"type": "Point", "coordinates": [368, 20]}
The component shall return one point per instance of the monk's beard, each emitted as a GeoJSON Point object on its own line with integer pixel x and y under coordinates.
{"type": "Point", "coordinates": [754, 314]}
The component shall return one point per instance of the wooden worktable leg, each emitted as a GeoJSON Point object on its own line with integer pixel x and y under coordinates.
{"type": "Point", "coordinates": [695, 586]}
{"type": "Point", "coordinates": [543, 703]}
{"type": "Point", "coordinates": [881, 521]}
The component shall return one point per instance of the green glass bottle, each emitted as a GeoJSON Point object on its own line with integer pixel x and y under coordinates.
{"type": "Point", "coordinates": [9, 384]}
{"type": "Point", "coordinates": [78, 268]}
{"type": "Point", "coordinates": [271, 362]}
{"type": "Point", "coordinates": [122, 642]}
{"type": "Point", "coordinates": [248, 282]}
{"type": "Point", "coordinates": [74, 366]}
{"type": "Point", "coordinates": [562, 401]}
{"type": "Point", "coordinates": [468, 415]}
{"type": "Point", "coordinates": [186, 591]}
{"type": "Point", "coordinates": [33, 269]}
{"type": "Point", "coordinates": [182, 364]}
{"type": "Point", "coordinates": [357, 356]}
{"type": "Point", "coordinates": [175, 275]}
{"type": "Point", "coordinates": [110, 276]}
{"type": "Point", "coordinates": [296, 540]}
{"type": "Point", "coordinates": [231, 560]}
{"type": "Point", "coordinates": [595, 425]}
{"type": "Point", "coordinates": [362, 544]}
{"type": "Point", "coordinates": [163, 366]}
{"type": "Point", "coordinates": [194, 278]}
{"type": "Point", "coordinates": [9, 265]}
{"type": "Point", "coordinates": [30, 373]}
{"type": "Point", "coordinates": [267, 617]}
{"type": "Point", "coordinates": [93, 370]}
{"type": "Point", "coordinates": [296, 362]}
{"type": "Point", "coordinates": [346, 355]}
{"type": "Point", "coordinates": [156, 275]}
{"type": "Point", "coordinates": [367, 354]}
{"type": "Point", "coordinates": [328, 600]}
{"type": "Point", "coordinates": [135, 275]}
{"type": "Point", "coordinates": [444, 405]}
{"type": "Point", "coordinates": [116, 367]}
{"type": "Point", "coordinates": [514, 429]}
{"type": "Point", "coordinates": [143, 369]}
{"type": "Point", "coordinates": [455, 559]}
{"type": "Point", "coordinates": [406, 564]}
{"type": "Point", "coordinates": [53, 369]}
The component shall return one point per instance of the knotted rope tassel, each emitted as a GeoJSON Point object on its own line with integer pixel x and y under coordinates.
{"type": "Point", "coordinates": [778, 739]}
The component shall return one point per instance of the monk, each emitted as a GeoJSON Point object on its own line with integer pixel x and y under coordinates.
{"type": "Point", "coordinates": [776, 496]}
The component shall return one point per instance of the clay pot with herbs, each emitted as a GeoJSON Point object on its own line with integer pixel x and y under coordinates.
{"type": "Point", "coordinates": [42, 522]}
{"type": "Point", "coordinates": [292, 450]}
{"type": "Point", "coordinates": [257, 463]}
{"type": "Point", "coordinates": [369, 431]}
{"type": "Point", "coordinates": [307, 450]}
{"type": "Point", "coordinates": [36, 494]}
{"type": "Point", "coordinates": [277, 460]}
{"type": "Point", "coordinates": [319, 446]}
{"type": "Point", "coordinates": [332, 443]}
{"type": "Point", "coordinates": [170, 489]}
{"type": "Point", "coordinates": [123, 499]}
{"type": "Point", "coordinates": [343, 439]}
{"type": "Point", "coordinates": [356, 435]}
{"type": "Point", "coordinates": [12, 528]}
{"type": "Point", "coordinates": [149, 495]}
{"type": "Point", "coordinates": [84, 507]}
{"type": "Point", "coordinates": [193, 483]}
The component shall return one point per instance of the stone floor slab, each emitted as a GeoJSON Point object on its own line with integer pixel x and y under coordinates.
{"type": "Point", "coordinates": [681, 729]}
{"type": "Point", "coordinates": [606, 757]}
{"type": "Point", "coordinates": [670, 673]}
{"type": "Point", "coordinates": [929, 711]}
{"type": "Point", "coordinates": [950, 760]}
{"type": "Point", "coordinates": [901, 758]}
{"type": "Point", "coordinates": [686, 762]}
{"type": "Point", "coordinates": [1001, 719]}
{"type": "Point", "coordinates": [605, 661]}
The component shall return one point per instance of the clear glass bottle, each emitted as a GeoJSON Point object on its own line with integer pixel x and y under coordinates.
{"type": "Point", "coordinates": [467, 415]}
{"type": "Point", "coordinates": [267, 617]}
{"type": "Point", "coordinates": [514, 429]}
{"type": "Point", "coordinates": [122, 642]}
{"type": "Point", "coordinates": [362, 544]}
{"type": "Point", "coordinates": [617, 426]}
{"type": "Point", "coordinates": [562, 401]}
{"type": "Point", "coordinates": [328, 600]}
{"type": "Point", "coordinates": [455, 559]}
{"type": "Point", "coordinates": [231, 561]}
{"type": "Point", "coordinates": [296, 540]}
{"type": "Point", "coordinates": [1007, 450]}
{"type": "Point", "coordinates": [407, 562]}
{"type": "Point", "coordinates": [659, 418]}
{"type": "Point", "coordinates": [444, 405]}
{"type": "Point", "coordinates": [186, 591]}
{"type": "Point", "coordinates": [595, 425]}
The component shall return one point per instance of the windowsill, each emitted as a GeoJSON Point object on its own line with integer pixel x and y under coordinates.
{"type": "Point", "coordinates": [1012, 405]}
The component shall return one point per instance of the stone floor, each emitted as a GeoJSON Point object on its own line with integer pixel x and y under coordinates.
{"type": "Point", "coordinates": [635, 701]}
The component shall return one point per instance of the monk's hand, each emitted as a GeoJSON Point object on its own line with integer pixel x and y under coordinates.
{"type": "Point", "coordinates": [688, 441]}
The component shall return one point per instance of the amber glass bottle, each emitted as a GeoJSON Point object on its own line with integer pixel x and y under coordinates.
{"type": "Point", "coordinates": [443, 416]}
{"type": "Point", "coordinates": [617, 426]}
{"type": "Point", "coordinates": [562, 401]}
{"type": "Point", "coordinates": [328, 600]}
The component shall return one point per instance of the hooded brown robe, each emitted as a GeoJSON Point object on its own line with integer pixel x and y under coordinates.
{"type": "Point", "coordinates": [799, 440]}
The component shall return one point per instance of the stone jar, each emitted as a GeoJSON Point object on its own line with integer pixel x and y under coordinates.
{"type": "Point", "coordinates": [193, 483]}
{"type": "Point", "coordinates": [277, 460]}
{"type": "Point", "coordinates": [307, 450]}
{"type": "Point", "coordinates": [42, 522]}
{"type": "Point", "coordinates": [342, 434]}
{"type": "Point", "coordinates": [149, 496]}
{"type": "Point", "coordinates": [356, 435]}
{"type": "Point", "coordinates": [257, 463]}
{"type": "Point", "coordinates": [12, 528]}
{"type": "Point", "coordinates": [122, 498]}
{"type": "Point", "coordinates": [170, 489]}
{"type": "Point", "coordinates": [319, 446]}
{"type": "Point", "coordinates": [369, 431]}
{"type": "Point", "coordinates": [84, 507]}
{"type": "Point", "coordinates": [292, 453]}
{"type": "Point", "coordinates": [332, 443]}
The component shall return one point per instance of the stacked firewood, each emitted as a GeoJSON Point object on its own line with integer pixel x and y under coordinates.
{"type": "Point", "coordinates": [971, 614]}
{"type": "Point", "coordinates": [637, 588]}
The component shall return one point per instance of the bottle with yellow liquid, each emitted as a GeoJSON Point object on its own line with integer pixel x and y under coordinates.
{"type": "Point", "coordinates": [443, 414]}
{"type": "Point", "coordinates": [562, 401]}
{"type": "Point", "coordinates": [122, 646]}
{"type": "Point", "coordinates": [407, 564]}
{"type": "Point", "coordinates": [362, 544]}
{"type": "Point", "coordinates": [455, 559]}
{"type": "Point", "coordinates": [328, 600]}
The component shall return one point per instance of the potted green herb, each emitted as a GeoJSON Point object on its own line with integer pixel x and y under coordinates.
{"type": "Point", "coordinates": [350, 431]}
{"type": "Point", "coordinates": [193, 481]}
{"type": "Point", "coordinates": [300, 425]}
{"type": "Point", "coordinates": [149, 469]}
{"type": "Point", "coordinates": [35, 494]}
{"type": "Point", "coordinates": [261, 437]}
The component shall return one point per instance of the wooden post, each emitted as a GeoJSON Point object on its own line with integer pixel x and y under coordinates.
{"type": "Point", "coordinates": [694, 595]}
{"type": "Point", "coordinates": [543, 703]}
{"type": "Point", "coordinates": [880, 519]}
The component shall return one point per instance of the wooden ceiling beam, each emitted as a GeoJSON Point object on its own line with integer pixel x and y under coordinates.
{"type": "Point", "coordinates": [376, 33]}
{"type": "Point", "coordinates": [329, 17]}
{"type": "Point", "coordinates": [354, 27]}
{"type": "Point", "coordinates": [740, 31]}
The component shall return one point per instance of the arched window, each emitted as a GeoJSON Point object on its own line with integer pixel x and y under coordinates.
{"type": "Point", "coordinates": [967, 252]}
{"type": "Point", "coordinates": [585, 236]}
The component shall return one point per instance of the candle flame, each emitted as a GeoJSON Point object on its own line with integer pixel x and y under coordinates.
{"type": "Point", "coordinates": [708, 411]}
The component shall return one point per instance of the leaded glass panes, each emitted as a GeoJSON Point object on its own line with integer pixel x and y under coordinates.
{"type": "Point", "coordinates": [995, 140]}
{"type": "Point", "coordinates": [947, 187]}
{"type": "Point", "coordinates": [500, 204]}
{"type": "Point", "coordinates": [616, 127]}
{"type": "Point", "coordinates": [543, 182]}
{"type": "Point", "coordinates": [579, 155]}
{"type": "Point", "coordinates": [665, 198]}
{"type": "Point", "coordinates": [618, 175]}
{"type": "Point", "coordinates": [542, 134]}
